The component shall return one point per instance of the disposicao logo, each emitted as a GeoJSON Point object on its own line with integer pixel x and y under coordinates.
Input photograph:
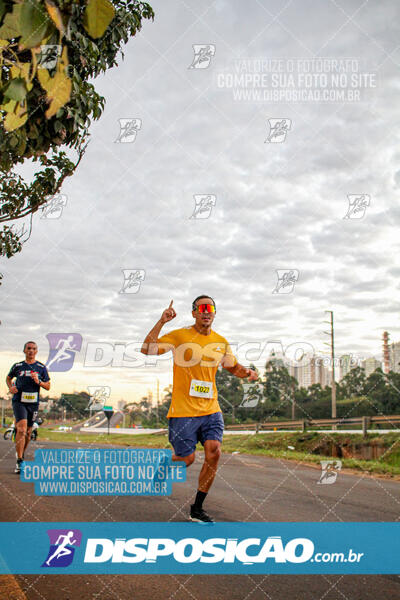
{"type": "Point", "coordinates": [190, 550]}
{"type": "Point", "coordinates": [62, 547]}
{"type": "Point", "coordinates": [222, 553]}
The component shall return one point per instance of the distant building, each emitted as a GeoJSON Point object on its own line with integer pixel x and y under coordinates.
{"type": "Point", "coordinates": [311, 372]}
{"type": "Point", "coordinates": [323, 372]}
{"type": "Point", "coordinates": [302, 373]}
{"type": "Point", "coordinates": [394, 357]}
{"type": "Point", "coordinates": [345, 365]}
{"type": "Point", "coordinates": [347, 362]}
{"type": "Point", "coordinates": [370, 364]}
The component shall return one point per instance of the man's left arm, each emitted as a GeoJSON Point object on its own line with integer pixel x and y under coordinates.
{"type": "Point", "coordinates": [45, 385]}
{"type": "Point", "coordinates": [44, 382]}
{"type": "Point", "coordinates": [231, 364]}
{"type": "Point", "coordinates": [241, 371]}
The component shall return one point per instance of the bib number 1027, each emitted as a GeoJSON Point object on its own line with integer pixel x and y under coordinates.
{"type": "Point", "coordinates": [201, 389]}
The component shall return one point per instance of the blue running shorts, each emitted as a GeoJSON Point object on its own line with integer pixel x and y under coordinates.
{"type": "Point", "coordinates": [23, 410]}
{"type": "Point", "coordinates": [185, 432]}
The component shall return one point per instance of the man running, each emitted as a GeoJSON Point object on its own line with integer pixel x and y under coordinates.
{"type": "Point", "coordinates": [63, 346]}
{"type": "Point", "coordinates": [30, 375]}
{"type": "Point", "coordinates": [62, 546]}
{"type": "Point", "coordinates": [194, 415]}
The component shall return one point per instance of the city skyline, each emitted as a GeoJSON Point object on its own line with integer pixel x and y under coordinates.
{"type": "Point", "coordinates": [316, 370]}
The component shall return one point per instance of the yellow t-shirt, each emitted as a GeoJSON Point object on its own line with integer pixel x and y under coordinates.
{"type": "Point", "coordinates": [196, 359]}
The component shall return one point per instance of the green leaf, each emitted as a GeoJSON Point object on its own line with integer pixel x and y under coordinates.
{"type": "Point", "coordinates": [2, 8]}
{"type": "Point", "coordinates": [16, 90]}
{"type": "Point", "coordinates": [21, 145]}
{"type": "Point", "coordinates": [33, 132]}
{"type": "Point", "coordinates": [14, 141]}
{"type": "Point", "coordinates": [11, 26]}
{"type": "Point", "coordinates": [34, 23]}
{"type": "Point", "coordinates": [58, 88]}
{"type": "Point", "coordinates": [98, 16]}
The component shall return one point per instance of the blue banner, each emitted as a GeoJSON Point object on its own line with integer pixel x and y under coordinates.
{"type": "Point", "coordinates": [103, 472]}
{"type": "Point", "coordinates": [221, 548]}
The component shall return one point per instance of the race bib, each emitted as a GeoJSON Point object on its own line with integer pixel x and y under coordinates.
{"type": "Point", "coordinates": [29, 397]}
{"type": "Point", "coordinates": [201, 389]}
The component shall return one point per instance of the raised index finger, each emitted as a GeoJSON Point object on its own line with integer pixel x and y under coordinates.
{"type": "Point", "coordinates": [170, 304]}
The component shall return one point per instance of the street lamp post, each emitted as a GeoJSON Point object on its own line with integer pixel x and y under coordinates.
{"type": "Point", "coordinates": [332, 345]}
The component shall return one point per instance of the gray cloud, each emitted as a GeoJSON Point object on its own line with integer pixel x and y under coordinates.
{"type": "Point", "coordinates": [278, 205]}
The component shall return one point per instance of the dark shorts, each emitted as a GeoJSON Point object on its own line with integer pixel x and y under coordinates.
{"type": "Point", "coordinates": [185, 432]}
{"type": "Point", "coordinates": [23, 410]}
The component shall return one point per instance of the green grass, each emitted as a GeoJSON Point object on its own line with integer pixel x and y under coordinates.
{"type": "Point", "coordinates": [118, 439]}
{"type": "Point", "coordinates": [272, 445]}
{"type": "Point", "coordinates": [306, 444]}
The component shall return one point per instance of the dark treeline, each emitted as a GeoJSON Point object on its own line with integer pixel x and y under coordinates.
{"type": "Point", "coordinates": [271, 398]}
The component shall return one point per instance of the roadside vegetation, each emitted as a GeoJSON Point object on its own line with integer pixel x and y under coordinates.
{"type": "Point", "coordinates": [305, 448]}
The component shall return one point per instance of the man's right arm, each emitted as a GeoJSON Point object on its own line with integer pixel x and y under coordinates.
{"type": "Point", "coordinates": [10, 385]}
{"type": "Point", "coordinates": [150, 345]}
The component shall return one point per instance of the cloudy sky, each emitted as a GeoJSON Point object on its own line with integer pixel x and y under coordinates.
{"type": "Point", "coordinates": [280, 201]}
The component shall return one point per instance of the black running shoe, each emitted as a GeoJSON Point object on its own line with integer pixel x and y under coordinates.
{"type": "Point", "coordinates": [198, 515]}
{"type": "Point", "coordinates": [19, 465]}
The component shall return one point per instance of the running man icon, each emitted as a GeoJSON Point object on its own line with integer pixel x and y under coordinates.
{"type": "Point", "coordinates": [62, 549]}
{"type": "Point", "coordinates": [63, 543]}
{"type": "Point", "coordinates": [63, 348]}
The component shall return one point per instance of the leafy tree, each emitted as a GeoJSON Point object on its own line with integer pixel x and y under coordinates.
{"type": "Point", "coordinates": [75, 404]}
{"type": "Point", "coordinates": [52, 412]}
{"type": "Point", "coordinates": [156, 417]}
{"type": "Point", "coordinates": [383, 391]}
{"type": "Point", "coordinates": [49, 50]}
{"type": "Point", "coordinates": [391, 402]}
{"type": "Point", "coordinates": [145, 413]}
{"type": "Point", "coordinates": [302, 395]}
{"type": "Point", "coordinates": [230, 392]}
{"type": "Point", "coordinates": [317, 393]}
{"type": "Point", "coordinates": [353, 384]}
{"type": "Point", "coordinates": [280, 388]}
{"type": "Point", "coordinates": [138, 410]}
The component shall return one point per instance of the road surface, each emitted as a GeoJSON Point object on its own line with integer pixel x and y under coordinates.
{"type": "Point", "coordinates": [248, 488]}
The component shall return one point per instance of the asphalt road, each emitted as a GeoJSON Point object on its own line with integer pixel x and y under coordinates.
{"type": "Point", "coordinates": [247, 488]}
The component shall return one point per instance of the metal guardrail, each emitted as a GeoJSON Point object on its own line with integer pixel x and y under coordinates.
{"type": "Point", "coordinates": [303, 424]}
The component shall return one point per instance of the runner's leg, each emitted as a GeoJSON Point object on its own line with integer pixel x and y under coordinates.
{"type": "Point", "coordinates": [56, 553]}
{"type": "Point", "coordinates": [210, 435]}
{"type": "Point", "coordinates": [182, 434]}
{"type": "Point", "coordinates": [188, 460]}
{"type": "Point", "coordinates": [32, 414]}
{"type": "Point", "coordinates": [212, 452]}
{"type": "Point", "coordinates": [27, 437]}
{"type": "Point", "coordinates": [20, 437]}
